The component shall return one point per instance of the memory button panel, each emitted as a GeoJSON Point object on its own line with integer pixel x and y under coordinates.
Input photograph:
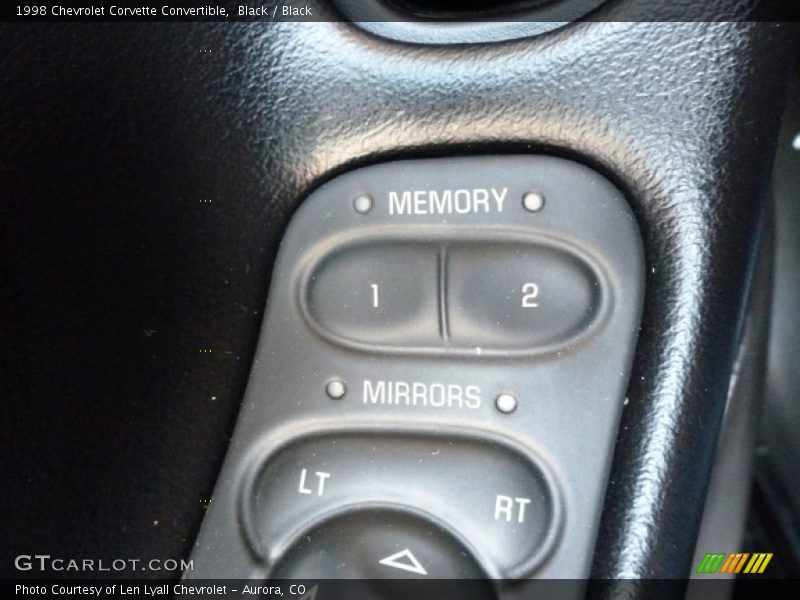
{"type": "Point", "coordinates": [439, 379]}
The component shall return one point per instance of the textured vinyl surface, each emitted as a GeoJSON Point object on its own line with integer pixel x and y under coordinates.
{"type": "Point", "coordinates": [145, 186]}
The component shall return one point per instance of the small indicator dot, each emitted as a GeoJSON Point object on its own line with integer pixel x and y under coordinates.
{"type": "Point", "coordinates": [506, 403]}
{"type": "Point", "coordinates": [362, 203]}
{"type": "Point", "coordinates": [335, 389]}
{"type": "Point", "coordinates": [533, 201]}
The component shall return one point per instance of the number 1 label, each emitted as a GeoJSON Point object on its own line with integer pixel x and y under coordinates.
{"type": "Point", "coordinates": [374, 287]}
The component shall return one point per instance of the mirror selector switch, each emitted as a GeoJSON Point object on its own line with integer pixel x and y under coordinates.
{"type": "Point", "coordinates": [499, 499]}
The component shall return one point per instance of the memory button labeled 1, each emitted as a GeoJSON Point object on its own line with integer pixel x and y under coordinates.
{"type": "Point", "coordinates": [384, 294]}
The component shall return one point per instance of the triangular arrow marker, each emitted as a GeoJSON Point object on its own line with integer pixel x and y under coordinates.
{"type": "Point", "coordinates": [411, 565]}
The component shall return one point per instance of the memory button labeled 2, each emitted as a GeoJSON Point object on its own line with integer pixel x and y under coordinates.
{"type": "Point", "coordinates": [519, 296]}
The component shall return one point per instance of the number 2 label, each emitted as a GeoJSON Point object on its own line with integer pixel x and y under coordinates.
{"type": "Point", "coordinates": [530, 291]}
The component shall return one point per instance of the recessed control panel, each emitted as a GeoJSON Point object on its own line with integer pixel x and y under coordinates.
{"type": "Point", "coordinates": [439, 378]}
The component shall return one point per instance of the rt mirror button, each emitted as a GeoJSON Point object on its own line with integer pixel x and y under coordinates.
{"type": "Point", "coordinates": [518, 296]}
